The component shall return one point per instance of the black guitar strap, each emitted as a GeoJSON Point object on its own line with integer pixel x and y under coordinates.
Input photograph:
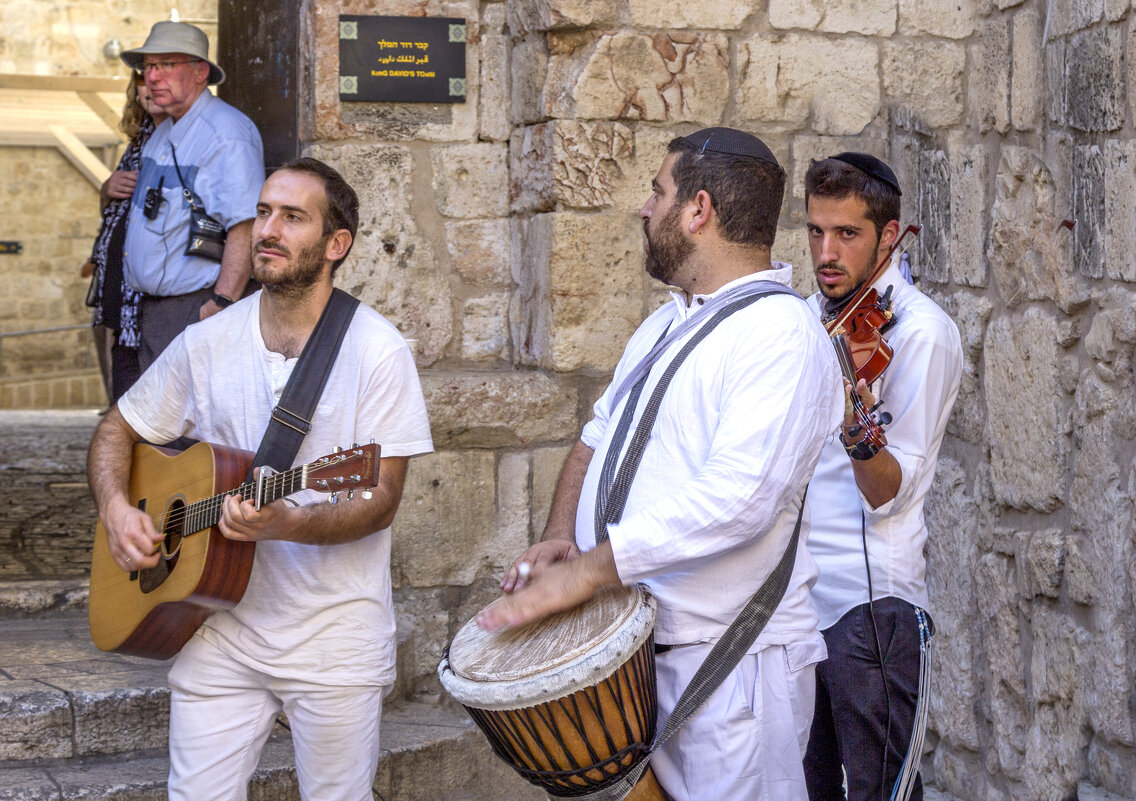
{"type": "Point", "coordinates": [291, 420]}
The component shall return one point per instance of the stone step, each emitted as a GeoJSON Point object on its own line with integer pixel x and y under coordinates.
{"type": "Point", "coordinates": [79, 723]}
{"type": "Point", "coordinates": [428, 754]}
{"type": "Point", "coordinates": [47, 516]}
{"type": "Point", "coordinates": [26, 598]}
{"type": "Point", "coordinates": [60, 697]}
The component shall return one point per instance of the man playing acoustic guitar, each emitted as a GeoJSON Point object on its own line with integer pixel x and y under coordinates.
{"type": "Point", "coordinates": [313, 634]}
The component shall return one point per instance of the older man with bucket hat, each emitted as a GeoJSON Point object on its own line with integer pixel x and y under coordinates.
{"type": "Point", "coordinates": [188, 248]}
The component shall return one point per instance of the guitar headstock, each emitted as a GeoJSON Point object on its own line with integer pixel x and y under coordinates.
{"type": "Point", "coordinates": [353, 468]}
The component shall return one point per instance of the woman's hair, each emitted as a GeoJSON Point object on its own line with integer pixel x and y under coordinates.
{"type": "Point", "coordinates": [132, 113]}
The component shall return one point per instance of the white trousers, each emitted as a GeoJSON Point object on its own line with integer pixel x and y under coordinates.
{"type": "Point", "coordinates": [221, 713]}
{"type": "Point", "coordinates": [748, 740]}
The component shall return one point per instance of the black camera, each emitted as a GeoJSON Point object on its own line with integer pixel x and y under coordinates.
{"type": "Point", "coordinates": [153, 200]}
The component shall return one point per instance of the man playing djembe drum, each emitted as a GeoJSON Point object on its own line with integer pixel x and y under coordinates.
{"type": "Point", "coordinates": [753, 393]}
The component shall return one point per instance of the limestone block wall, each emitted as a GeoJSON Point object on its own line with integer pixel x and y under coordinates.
{"type": "Point", "coordinates": [502, 236]}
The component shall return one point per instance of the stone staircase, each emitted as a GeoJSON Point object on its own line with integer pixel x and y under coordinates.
{"type": "Point", "coordinates": [79, 723]}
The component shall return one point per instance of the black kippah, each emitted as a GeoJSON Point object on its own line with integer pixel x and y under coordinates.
{"type": "Point", "coordinates": [872, 167]}
{"type": "Point", "coordinates": [731, 142]}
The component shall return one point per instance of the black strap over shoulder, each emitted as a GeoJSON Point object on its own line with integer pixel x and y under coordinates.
{"type": "Point", "coordinates": [292, 418]}
{"type": "Point", "coordinates": [615, 485]}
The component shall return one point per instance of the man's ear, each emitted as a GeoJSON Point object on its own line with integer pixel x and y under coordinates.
{"type": "Point", "coordinates": [202, 73]}
{"type": "Point", "coordinates": [888, 236]}
{"type": "Point", "coordinates": [703, 211]}
{"type": "Point", "coordinates": [338, 245]}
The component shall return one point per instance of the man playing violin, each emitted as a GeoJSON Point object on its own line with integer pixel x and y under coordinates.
{"type": "Point", "coordinates": [719, 488]}
{"type": "Point", "coordinates": [866, 496]}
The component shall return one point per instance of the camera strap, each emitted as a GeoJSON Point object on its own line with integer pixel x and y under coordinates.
{"type": "Point", "coordinates": [190, 196]}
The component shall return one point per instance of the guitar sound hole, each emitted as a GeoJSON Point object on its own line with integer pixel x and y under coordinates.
{"type": "Point", "coordinates": [174, 530]}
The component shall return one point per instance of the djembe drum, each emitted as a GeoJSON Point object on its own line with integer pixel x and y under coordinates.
{"type": "Point", "coordinates": [569, 702]}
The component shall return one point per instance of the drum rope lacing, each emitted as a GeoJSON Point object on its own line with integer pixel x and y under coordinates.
{"type": "Point", "coordinates": [515, 735]}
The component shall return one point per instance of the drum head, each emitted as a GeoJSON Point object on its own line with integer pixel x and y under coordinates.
{"type": "Point", "coordinates": [549, 658]}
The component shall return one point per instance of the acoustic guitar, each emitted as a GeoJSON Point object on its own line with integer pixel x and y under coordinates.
{"type": "Point", "coordinates": [153, 612]}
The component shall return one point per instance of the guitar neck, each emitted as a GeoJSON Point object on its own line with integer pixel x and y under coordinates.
{"type": "Point", "coordinates": [207, 512]}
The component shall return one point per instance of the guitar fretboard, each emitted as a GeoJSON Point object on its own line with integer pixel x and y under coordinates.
{"type": "Point", "coordinates": [202, 514]}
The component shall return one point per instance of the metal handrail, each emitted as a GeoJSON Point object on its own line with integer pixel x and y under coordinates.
{"type": "Point", "coordinates": [33, 331]}
{"type": "Point", "coordinates": [76, 327]}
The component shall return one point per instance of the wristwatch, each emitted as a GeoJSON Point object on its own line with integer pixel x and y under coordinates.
{"type": "Point", "coordinates": [221, 300]}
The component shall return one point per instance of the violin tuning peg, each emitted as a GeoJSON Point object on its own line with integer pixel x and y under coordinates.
{"type": "Point", "coordinates": [885, 418]}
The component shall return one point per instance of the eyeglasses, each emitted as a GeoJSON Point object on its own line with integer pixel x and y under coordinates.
{"type": "Point", "coordinates": [164, 67]}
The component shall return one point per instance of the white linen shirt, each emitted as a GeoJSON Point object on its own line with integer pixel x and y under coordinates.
{"type": "Point", "coordinates": [716, 497]}
{"type": "Point", "coordinates": [317, 613]}
{"type": "Point", "coordinates": [918, 388]}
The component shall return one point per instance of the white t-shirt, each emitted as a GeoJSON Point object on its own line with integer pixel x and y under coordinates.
{"type": "Point", "coordinates": [918, 389]}
{"type": "Point", "coordinates": [318, 613]}
{"type": "Point", "coordinates": [716, 497]}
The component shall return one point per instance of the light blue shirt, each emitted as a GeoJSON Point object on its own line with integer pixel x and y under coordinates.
{"type": "Point", "coordinates": [221, 159]}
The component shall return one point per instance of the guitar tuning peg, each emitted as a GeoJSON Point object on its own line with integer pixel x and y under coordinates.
{"type": "Point", "coordinates": [372, 441]}
{"type": "Point", "coordinates": [354, 444]}
{"type": "Point", "coordinates": [367, 494]}
{"type": "Point", "coordinates": [350, 494]}
{"type": "Point", "coordinates": [334, 498]}
{"type": "Point", "coordinates": [336, 449]}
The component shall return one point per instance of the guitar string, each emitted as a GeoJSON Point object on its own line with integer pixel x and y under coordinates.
{"type": "Point", "coordinates": [208, 509]}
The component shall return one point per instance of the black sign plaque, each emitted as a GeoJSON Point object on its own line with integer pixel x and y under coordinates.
{"type": "Point", "coordinates": [402, 59]}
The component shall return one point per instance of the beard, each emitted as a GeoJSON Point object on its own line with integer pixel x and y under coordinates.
{"type": "Point", "coordinates": [835, 300]}
{"type": "Point", "coordinates": [667, 248]}
{"type": "Point", "coordinates": [300, 275]}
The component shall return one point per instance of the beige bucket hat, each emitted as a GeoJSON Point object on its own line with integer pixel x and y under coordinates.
{"type": "Point", "coordinates": [175, 37]}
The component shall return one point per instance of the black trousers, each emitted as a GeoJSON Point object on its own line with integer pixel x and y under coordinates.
{"type": "Point", "coordinates": [860, 690]}
{"type": "Point", "coordinates": [162, 319]}
{"type": "Point", "coordinates": [124, 370]}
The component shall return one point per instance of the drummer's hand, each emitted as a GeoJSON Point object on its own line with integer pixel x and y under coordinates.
{"type": "Point", "coordinates": [562, 585]}
{"type": "Point", "coordinates": [537, 558]}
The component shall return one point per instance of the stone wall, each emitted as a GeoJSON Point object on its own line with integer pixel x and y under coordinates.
{"type": "Point", "coordinates": [502, 235]}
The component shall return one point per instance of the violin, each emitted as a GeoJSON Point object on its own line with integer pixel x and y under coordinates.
{"type": "Point", "coordinates": [856, 330]}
